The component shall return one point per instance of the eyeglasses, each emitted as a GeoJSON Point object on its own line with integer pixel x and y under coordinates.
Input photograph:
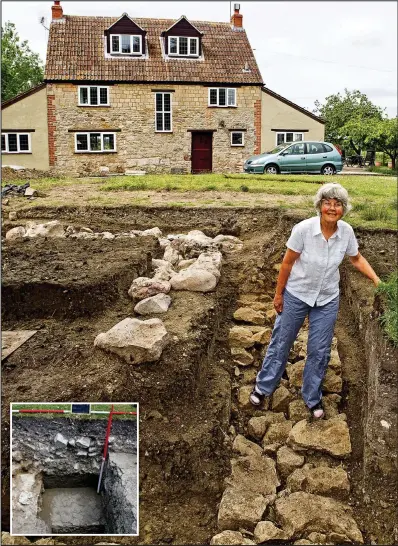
{"type": "Point", "coordinates": [329, 204]}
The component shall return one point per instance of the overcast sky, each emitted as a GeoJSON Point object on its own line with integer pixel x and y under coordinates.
{"type": "Point", "coordinates": [305, 50]}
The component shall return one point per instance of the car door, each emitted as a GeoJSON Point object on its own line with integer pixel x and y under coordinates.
{"type": "Point", "coordinates": [315, 156]}
{"type": "Point", "coordinates": [293, 159]}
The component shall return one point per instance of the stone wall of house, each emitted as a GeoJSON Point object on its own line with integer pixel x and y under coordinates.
{"type": "Point", "coordinates": [139, 147]}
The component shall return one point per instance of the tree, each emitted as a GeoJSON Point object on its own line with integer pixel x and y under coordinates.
{"type": "Point", "coordinates": [21, 69]}
{"type": "Point", "coordinates": [338, 111]}
{"type": "Point", "coordinates": [384, 136]}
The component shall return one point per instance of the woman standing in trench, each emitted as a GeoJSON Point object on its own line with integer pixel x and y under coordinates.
{"type": "Point", "coordinates": [308, 284]}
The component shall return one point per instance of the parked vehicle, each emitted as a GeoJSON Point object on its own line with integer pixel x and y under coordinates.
{"type": "Point", "coordinates": [297, 157]}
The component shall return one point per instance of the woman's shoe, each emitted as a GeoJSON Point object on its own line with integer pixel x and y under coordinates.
{"type": "Point", "coordinates": [317, 411]}
{"type": "Point", "coordinates": [256, 398]}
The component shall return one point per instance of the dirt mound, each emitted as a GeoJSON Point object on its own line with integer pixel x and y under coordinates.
{"type": "Point", "coordinates": [8, 174]}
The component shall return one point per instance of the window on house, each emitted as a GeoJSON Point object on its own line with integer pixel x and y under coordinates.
{"type": "Point", "coordinates": [126, 44]}
{"type": "Point", "coordinates": [184, 46]}
{"type": "Point", "coordinates": [237, 138]}
{"type": "Point", "coordinates": [163, 119]}
{"type": "Point", "coordinates": [283, 138]}
{"type": "Point", "coordinates": [17, 143]}
{"type": "Point", "coordinates": [93, 95]}
{"type": "Point", "coordinates": [95, 142]}
{"type": "Point", "coordinates": [222, 96]}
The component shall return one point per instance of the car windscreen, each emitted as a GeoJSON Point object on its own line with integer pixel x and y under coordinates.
{"type": "Point", "coordinates": [278, 149]}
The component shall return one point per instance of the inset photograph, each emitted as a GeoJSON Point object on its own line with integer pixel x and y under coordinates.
{"type": "Point", "coordinates": [74, 469]}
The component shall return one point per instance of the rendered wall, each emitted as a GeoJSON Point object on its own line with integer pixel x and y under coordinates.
{"type": "Point", "coordinates": [28, 113]}
{"type": "Point", "coordinates": [278, 115]}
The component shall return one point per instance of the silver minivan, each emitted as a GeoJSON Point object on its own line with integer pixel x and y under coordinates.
{"type": "Point", "coordinates": [297, 157]}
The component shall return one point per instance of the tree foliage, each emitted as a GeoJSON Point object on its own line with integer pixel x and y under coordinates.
{"type": "Point", "coordinates": [21, 69]}
{"type": "Point", "coordinates": [344, 112]}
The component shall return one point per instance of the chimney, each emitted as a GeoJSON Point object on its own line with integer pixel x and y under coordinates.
{"type": "Point", "coordinates": [236, 19]}
{"type": "Point", "coordinates": [56, 10]}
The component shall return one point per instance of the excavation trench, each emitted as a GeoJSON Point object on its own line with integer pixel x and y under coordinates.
{"type": "Point", "coordinates": [56, 464]}
{"type": "Point", "coordinates": [188, 400]}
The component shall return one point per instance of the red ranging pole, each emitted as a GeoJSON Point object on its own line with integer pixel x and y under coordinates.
{"type": "Point", "coordinates": [108, 431]}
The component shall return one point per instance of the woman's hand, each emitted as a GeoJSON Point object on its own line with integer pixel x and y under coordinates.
{"type": "Point", "coordinates": [278, 303]}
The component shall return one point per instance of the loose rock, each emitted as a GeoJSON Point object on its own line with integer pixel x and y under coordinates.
{"type": "Point", "coordinates": [257, 426]}
{"type": "Point", "coordinates": [15, 233]}
{"type": "Point", "coordinates": [281, 399]}
{"type": "Point", "coordinates": [196, 280]}
{"type": "Point", "coordinates": [302, 513]}
{"type": "Point", "coordinates": [239, 336]}
{"type": "Point", "coordinates": [244, 447]}
{"type": "Point", "coordinates": [247, 314]}
{"type": "Point", "coordinates": [240, 509]}
{"type": "Point", "coordinates": [331, 436]}
{"type": "Point", "coordinates": [277, 433]}
{"type": "Point", "coordinates": [254, 474]}
{"type": "Point", "coordinates": [159, 303]}
{"type": "Point", "coordinates": [134, 340]}
{"type": "Point", "coordinates": [144, 287]}
{"type": "Point", "coordinates": [321, 480]}
{"type": "Point", "coordinates": [287, 461]}
{"type": "Point", "coordinates": [266, 531]}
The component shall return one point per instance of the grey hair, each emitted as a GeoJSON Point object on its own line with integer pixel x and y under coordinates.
{"type": "Point", "coordinates": [332, 190]}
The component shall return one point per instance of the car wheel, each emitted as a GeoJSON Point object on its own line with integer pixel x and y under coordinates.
{"type": "Point", "coordinates": [271, 169]}
{"type": "Point", "coordinates": [328, 169]}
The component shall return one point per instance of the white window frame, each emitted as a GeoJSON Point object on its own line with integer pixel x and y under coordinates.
{"type": "Point", "coordinates": [99, 87]}
{"type": "Point", "coordinates": [243, 138]}
{"type": "Point", "coordinates": [178, 54]}
{"type": "Point", "coordinates": [163, 112]}
{"type": "Point", "coordinates": [102, 151]}
{"type": "Point", "coordinates": [18, 151]}
{"type": "Point", "coordinates": [284, 137]}
{"type": "Point", "coordinates": [112, 52]}
{"type": "Point", "coordinates": [218, 105]}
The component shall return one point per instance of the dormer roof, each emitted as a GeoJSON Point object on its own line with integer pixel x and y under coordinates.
{"type": "Point", "coordinates": [182, 18]}
{"type": "Point", "coordinates": [125, 16]}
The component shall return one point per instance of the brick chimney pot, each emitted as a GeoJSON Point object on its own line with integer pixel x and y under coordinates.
{"type": "Point", "coordinates": [237, 19]}
{"type": "Point", "coordinates": [57, 10]}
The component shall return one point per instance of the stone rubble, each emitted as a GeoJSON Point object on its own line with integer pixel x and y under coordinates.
{"type": "Point", "coordinates": [303, 460]}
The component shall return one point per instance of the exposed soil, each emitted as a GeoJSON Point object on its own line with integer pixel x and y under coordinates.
{"type": "Point", "coordinates": [185, 398]}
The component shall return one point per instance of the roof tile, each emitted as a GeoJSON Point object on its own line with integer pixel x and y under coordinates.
{"type": "Point", "coordinates": [76, 52]}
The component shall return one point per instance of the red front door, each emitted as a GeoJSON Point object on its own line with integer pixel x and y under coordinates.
{"type": "Point", "coordinates": [202, 160]}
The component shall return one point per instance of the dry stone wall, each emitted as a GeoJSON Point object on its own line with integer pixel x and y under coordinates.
{"type": "Point", "coordinates": [139, 147]}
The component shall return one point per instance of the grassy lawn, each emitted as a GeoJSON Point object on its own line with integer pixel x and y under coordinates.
{"type": "Point", "coordinates": [96, 407]}
{"type": "Point", "coordinates": [374, 198]}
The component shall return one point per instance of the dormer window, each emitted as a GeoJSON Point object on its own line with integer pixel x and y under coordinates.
{"type": "Point", "coordinates": [126, 44]}
{"type": "Point", "coordinates": [183, 46]}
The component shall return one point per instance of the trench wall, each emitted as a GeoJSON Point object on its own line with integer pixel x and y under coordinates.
{"type": "Point", "coordinates": [380, 432]}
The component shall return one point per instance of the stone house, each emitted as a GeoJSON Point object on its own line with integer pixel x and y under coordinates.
{"type": "Point", "coordinates": [153, 95]}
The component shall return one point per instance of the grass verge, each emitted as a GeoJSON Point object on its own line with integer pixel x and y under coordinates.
{"type": "Point", "coordinates": [388, 291]}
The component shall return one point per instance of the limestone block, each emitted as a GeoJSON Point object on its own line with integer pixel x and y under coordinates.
{"type": "Point", "coordinates": [195, 280]}
{"type": "Point", "coordinates": [281, 399]}
{"type": "Point", "coordinates": [227, 537]}
{"type": "Point", "coordinates": [154, 232]}
{"type": "Point", "coordinates": [83, 441]}
{"type": "Point", "coordinates": [257, 426]}
{"type": "Point", "coordinates": [277, 433]}
{"type": "Point", "coordinates": [244, 447]}
{"type": "Point", "coordinates": [331, 436]}
{"type": "Point", "coordinates": [255, 474]}
{"type": "Point", "coordinates": [266, 531]}
{"type": "Point", "coordinates": [301, 513]}
{"type": "Point", "coordinates": [288, 460]}
{"type": "Point", "coordinates": [144, 287]}
{"type": "Point", "coordinates": [159, 303]}
{"type": "Point", "coordinates": [15, 233]}
{"type": "Point", "coordinates": [247, 314]}
{"type": "Point", "coordinates": [298, 410]}
{"type": "Point", "coordinates": [49, 229]}
{"type": "Point", "coordinates": [60, 441]}
{"type": "Point", "coordinates": [240, 336]}
{"type": "Point", "coordinates": [321, 480]}
{"type": "Point", "coordinates": [263, 336]}
{"type": "Point", "coordinates": [240, 509]}
{"type": "Point", "coordinates": [134, 340]}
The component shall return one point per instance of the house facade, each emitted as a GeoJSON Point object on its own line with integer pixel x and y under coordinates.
{"type": "Point", "coordinates": [156, 95]}
{"type": "Point", "coordinates": [152, 95]}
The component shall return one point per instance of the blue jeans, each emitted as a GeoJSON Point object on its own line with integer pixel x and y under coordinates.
{"type": "Point", "coordinates": [320, 335]}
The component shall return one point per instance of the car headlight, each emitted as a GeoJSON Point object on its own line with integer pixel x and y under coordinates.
{"type": "Point", "coordinates": [257, 162]}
